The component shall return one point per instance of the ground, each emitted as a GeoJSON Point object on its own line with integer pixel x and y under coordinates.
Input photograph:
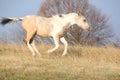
{"type": "Point", "coordinates": [81, 63]}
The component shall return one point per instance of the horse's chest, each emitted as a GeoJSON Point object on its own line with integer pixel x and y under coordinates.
{"type": "Point", "coordinates": [63, 30]}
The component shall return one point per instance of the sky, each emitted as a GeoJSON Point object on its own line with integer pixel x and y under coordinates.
{"type": "Point", "coordinates": [20, 8]}
{"type": "Point", "coordinates": [111, 8]}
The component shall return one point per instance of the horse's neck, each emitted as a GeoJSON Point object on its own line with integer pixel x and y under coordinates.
{"type": "Point", "coordinates": [68, 20]}
{"type": "Point", "coordinates": [66, 23]}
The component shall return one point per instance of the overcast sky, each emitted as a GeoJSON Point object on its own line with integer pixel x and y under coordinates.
{"type": "Point", "coordinates": [20, 8]}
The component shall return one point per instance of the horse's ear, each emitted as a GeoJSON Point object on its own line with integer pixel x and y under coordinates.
{"type": "Point", "coordinates": [60, 15]}
{"type": "Point", "coordinates": [79, 14]}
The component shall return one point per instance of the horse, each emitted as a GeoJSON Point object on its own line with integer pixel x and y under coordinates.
{"type": "Point", "coordinates": [54, 27]}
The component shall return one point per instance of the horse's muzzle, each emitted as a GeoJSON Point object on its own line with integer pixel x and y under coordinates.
{"type": "Point", "coordinates": [88, 29]}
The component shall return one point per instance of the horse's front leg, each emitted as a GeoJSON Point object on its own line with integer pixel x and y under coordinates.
{"type": "Point", "coordinates": [65, 44]}
{"type": "Point", "coordinates": [56, 41]}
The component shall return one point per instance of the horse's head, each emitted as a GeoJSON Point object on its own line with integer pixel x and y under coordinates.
{"type": "Point", "coordinates": [80, 21]}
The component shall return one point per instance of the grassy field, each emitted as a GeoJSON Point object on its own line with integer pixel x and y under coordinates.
{"type": "Point", "coordinates": [81, 63]}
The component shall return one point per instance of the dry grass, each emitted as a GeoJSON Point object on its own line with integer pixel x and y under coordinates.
{"type": "Point", "coordinates": [81, 63]}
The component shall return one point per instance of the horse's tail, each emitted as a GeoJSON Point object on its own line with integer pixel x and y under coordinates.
{"type": "Point", "coordinates": [6, 20]}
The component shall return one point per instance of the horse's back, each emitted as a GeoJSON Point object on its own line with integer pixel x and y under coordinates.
{"type": "Point", "coordinates": [37, 23]}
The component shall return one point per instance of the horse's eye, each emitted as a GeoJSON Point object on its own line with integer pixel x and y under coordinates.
{"type": "Point", "coordinates": [84, 20]}
{"type": "Point", "coordinates": [60, 15]}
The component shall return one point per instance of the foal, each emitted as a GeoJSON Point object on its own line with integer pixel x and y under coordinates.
{"type": "Point", "coordinates": [54, 27]}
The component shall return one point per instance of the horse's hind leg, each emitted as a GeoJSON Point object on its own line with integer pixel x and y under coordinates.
{"type": "Point", "coordinates": [56, 41]}
{"type": "Point", "coordinates": [28, 40]}
{"type": "Point", "coordinates": [33, 46]}
{"type": "Point", "coordinates": [30, 48]}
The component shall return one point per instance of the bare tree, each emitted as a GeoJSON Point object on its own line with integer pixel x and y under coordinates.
{"type": "Point", "coordinates": [100, 33]}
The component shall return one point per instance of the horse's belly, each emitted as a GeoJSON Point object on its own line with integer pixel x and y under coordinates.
{"type": "Point", "coordinates": [43, 33]}
{"type": "Point", "coordinates": [44, 29]}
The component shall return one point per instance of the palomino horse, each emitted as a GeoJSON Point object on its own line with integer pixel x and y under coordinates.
{"type": "Point", "coordinates": [54, 27]}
